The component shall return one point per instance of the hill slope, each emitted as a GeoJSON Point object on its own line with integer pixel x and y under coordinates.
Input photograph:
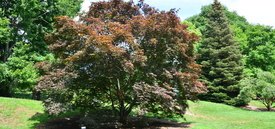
{"type": "Point", "coordinates": [207, 115]}
{"type": "Point", "coordinates": [19, 113]}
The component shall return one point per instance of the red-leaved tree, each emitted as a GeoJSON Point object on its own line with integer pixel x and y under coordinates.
{"type": "Point", "coordinates": [121, 55]}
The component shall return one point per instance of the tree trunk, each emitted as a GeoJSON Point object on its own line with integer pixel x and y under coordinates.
{"type": "Point", "coordinates": [125, 111]}
{"type": "Point", "coordinates": [269, 107]}
{"type": "Point", "coordinates": [122, 109]}
{"type": "Point", "coordinates": [6, 52]}
{"type": "Point", "coordinates": [122, 112]}
{"type": "Point", "coordinates": [5, 91]}
{"type": "Point", "coordinates": [36, 95]}
{"type": "Point", "coordinates": [123, 118]}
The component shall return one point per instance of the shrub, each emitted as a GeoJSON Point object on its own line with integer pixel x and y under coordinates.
{"type": "Point", "coordinates": [262, 88]}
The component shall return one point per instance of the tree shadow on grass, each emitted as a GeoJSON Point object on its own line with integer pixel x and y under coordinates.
{"type": "Point", "coordinates": [68, 120]}
{"type": "Point", "coordinates": [74, 122]}
{"type": "Point", "coordinates": [39, 118]}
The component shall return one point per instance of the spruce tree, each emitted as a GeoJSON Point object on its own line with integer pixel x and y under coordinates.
{"type": "Point", "coordinates": [220, 57]}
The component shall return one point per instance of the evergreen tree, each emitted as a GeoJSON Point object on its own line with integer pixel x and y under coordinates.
{"type": "Point", "coordinates": [220, 57]}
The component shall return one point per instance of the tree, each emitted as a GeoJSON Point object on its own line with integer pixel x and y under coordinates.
{"type": "Point", "coordinates": [220, 57]}
{"type": "Point", "coordinates": [22, 66]}
{"type": "Point", "coordinates": [22, 42]}
{"type": "Point", "coordinates": [30, 20]}
{"type": "Point", "coordinates": [4, 38]}
{"type": "Point", "coordinates": [260, 50]}
{"type": "Point", "coordinates": [256, 41]}
{"type": "Point", "coordinates": [5, 87]}
{"type": "Point", "coordinates": [120, 56]}
{"type": "Point", "coordinates": [262, 88]}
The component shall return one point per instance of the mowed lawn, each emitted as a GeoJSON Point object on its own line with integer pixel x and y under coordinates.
{"type": "Point", "coordinates": [20, 113]}
{"type": "Point", "coordinates": [25, 114]}
{"type": "Point", "coordinates": [206, 115]}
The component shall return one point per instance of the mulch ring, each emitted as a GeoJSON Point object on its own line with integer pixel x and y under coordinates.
{"type": "Point", "coordinates": [134, 123]}
{"type": "Point", "coordinates": [61, 123]}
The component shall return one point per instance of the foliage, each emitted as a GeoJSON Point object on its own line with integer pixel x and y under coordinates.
{"type": "Point", "coordinates": [122, 56]}
{"type": "Point", "coordinates": [5, 78]}
{"type": "Point", "coordinates": [220, 57]}
{"type": "Point", "coordinates": [262, 87]}
{"type": "Point", "coordinates": [68, 7]}
{"type": "Point", "coordinates": [5, 34]}
{"type": "Point", "coordinates": [192, 28]}
{"type": "Point", "coordinates": [234, 19]}
{"type": "Point", "coordinates": [22, 65]}
{"type": "Point", "coordinates": [256, 41]}
{"type": "Point", "coordinates": [30, 20]}
{"type": "Point", "coordinates": [246, 94]}
{"type": "Point", "coordinates": [23, 25]}
{"type": "Point", "coordinates": [261, 48]}
{"type": "Point", "coordinates": [4, 38]}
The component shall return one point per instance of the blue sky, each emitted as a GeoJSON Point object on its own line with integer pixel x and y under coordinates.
{"type": "Point", "coordinates": [255, 11]}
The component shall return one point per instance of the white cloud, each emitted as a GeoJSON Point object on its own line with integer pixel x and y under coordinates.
{"type": "Point", "coordinates": [255, 11]}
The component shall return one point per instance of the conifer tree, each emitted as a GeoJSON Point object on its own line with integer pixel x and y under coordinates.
{"type": "Point", "coordinates": [220, 57]}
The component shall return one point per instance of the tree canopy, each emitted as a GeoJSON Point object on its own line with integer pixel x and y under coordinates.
{"type": "Point", "coordinates": [256, 41]}
{"type": "Point", "coordinates": [220, 57]}
{"type": "Point", "coordinates": [261, 87]}
{"type": "Point", "coordinates": [23, 26]}
{"type": "Point", "coordinates": [123, 54]}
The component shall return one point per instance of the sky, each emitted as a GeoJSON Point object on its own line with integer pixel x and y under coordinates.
{"type": "Point", "coordinates": [255, 11]}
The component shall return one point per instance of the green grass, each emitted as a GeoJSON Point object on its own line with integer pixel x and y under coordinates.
{"type": "Point", "coordinates": [26, 114]}
{"type": "Point", "coordinates": [206, 115]}
{"type": "Point", "coordinates": [20, 113]}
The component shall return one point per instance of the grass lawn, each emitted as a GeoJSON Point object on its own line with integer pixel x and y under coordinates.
{"type": "Point", "coordinates": [26, 114]}
{"type": "Point", "coordinates": [20, 113]}
{"type": "Point", "coordinates": [206, 115]}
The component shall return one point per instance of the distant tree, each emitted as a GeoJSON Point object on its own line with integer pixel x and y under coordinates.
{"type": "Point", "coordinates": [31, 20]}
{"type": "Point", "coordinates": [5, 36]}
{"type": "Point", "coordinates": [23, 26]}
{"type": "Point", "coordinates": [22, 66]}
{"type": "Point", "coordinates": [120, 56]}
{"type": "Point", "coordinates": [192, 28]}
{"type": "Point", "coordinates": [235, 20]}
{"type": "Point", "coordinates": [220, 57]}
{"type": "Point", "coordinates": [260, 50]}
{"type": "Point", "coordinates": [256, 41]}
{"type": "Point", "coordinates": [262, 88]}
{"type": "Point", "coordinates": [5, 78]}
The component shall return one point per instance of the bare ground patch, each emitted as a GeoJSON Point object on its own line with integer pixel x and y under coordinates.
{"type": "Point", "coordinates": [13, 117]}
{"type": "Point", "coordinates": [254, 108]}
